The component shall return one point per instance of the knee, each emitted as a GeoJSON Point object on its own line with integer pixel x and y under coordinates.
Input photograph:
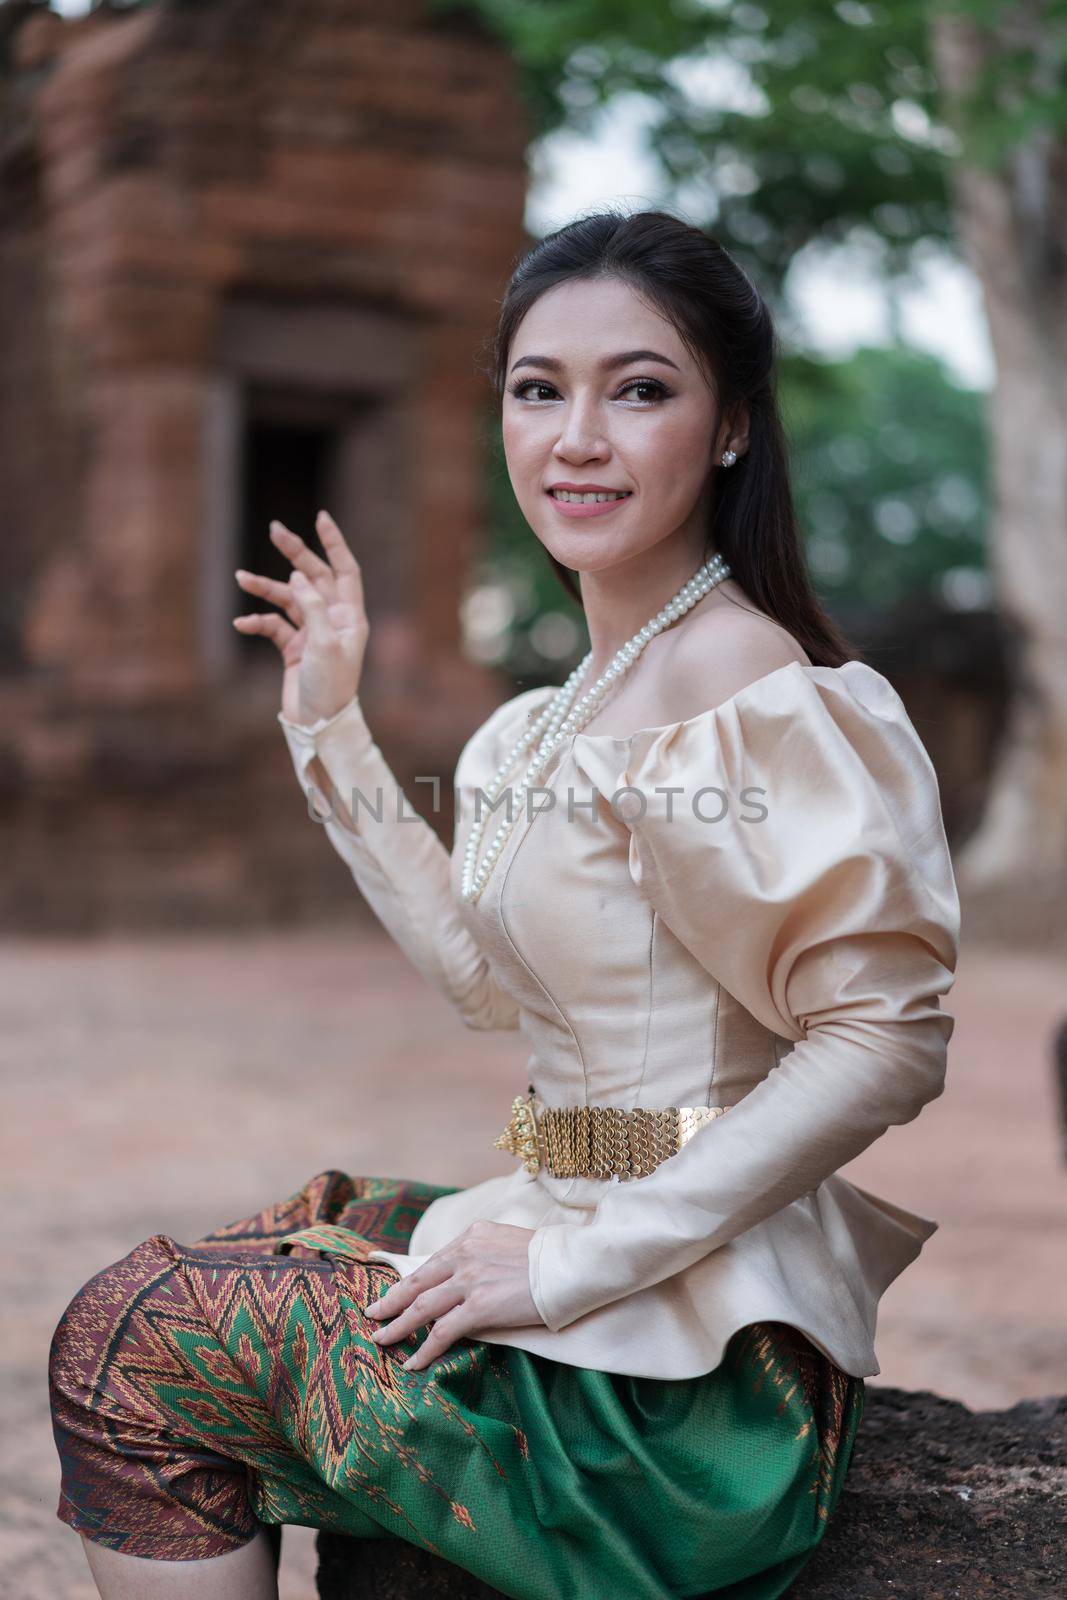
{"type": "Point", "coordinates": [85, 1333]}
{"type": "Point", "coordinates": [70, 1350]}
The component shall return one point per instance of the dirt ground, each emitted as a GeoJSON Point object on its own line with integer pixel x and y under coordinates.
{"type": "Point", "coordinates": [167, 1085]}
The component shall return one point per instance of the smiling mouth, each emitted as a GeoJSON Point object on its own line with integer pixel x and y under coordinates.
{"type": "Point", "coordinates": [571, 497]}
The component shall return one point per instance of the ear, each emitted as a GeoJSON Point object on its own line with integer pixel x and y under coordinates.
{"type": "Point", "coordinates": [737, 430]}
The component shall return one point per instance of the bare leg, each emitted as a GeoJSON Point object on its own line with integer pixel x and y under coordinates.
{"type": "Point", "coordinates": [245, 1574]}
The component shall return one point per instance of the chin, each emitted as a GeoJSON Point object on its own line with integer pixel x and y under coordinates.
{"type": "Point", "coordinates": [588, 559]}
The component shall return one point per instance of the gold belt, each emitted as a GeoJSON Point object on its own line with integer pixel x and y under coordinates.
{"type": "Point", "coordinates": [598, 1141]}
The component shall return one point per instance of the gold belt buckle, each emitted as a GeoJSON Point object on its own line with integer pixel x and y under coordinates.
{"type": "Point", "coordinates": [520, 1137]}
{"type": "Point", "coordinates": [524, 1138]}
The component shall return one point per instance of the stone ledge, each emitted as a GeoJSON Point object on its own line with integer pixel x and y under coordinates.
{"type": "Point", "coordinates": [940, 1503]}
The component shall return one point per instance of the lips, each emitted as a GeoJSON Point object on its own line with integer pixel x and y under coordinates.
{"type": "Point", "coordinates": [587, 488]}
{"type": "Point", "coordinates": [581, 509]}
{"type": "Point", "coordinates": [558, 492]}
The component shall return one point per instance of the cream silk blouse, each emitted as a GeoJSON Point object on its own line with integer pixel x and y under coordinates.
{"type": "Point", "coordinates": [766, 920]}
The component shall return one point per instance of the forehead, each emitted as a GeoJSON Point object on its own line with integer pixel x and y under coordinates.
{"type": "Point", "coordinates": [585, 319]}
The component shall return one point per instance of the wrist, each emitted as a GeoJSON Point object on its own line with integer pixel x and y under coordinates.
{"type": "Point", "coordinates": [312, 721]}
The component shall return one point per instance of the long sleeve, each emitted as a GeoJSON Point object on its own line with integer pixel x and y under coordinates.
{"type": "Point", "coordinates": [832, 918]}
{"type": "Point", "coordinates": [398, 863]}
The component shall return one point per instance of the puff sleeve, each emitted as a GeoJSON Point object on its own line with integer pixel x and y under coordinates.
{"type": "Point", "coordinates": [824, 901]}
{"type": "Point", "coordinates": [397, 860]}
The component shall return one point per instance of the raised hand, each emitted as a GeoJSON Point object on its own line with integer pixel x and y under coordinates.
{"type": "Point", "coordinates": [322, 636]}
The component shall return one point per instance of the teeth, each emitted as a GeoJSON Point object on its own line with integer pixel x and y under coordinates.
{"type": "Point", "coordinates": [584, 499]}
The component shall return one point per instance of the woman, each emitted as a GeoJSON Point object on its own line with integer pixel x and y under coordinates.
{"type": "Point", "coordinates": [723, 914]}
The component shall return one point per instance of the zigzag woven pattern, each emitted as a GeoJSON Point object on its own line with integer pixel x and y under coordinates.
{"type": "Point", "coordinates": [198, 1390]}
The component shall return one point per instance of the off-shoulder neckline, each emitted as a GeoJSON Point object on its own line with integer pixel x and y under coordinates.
{"type": "Point", "coordinates": [733, 700]}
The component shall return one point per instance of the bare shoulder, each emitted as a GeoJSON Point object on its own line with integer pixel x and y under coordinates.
{"type": "Point", "coordinates": [727, 648]}
{"type": "Point", "coordinates": [718, 648]}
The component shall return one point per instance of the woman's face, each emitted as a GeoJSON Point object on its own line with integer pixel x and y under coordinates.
{"type": "Point", "coordinates": [573, 412]}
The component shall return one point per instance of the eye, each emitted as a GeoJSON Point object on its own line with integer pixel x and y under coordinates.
{"type": "Point", "coordinates": [659, 390]}
{"type": "Point", "coordinates": [519, 389]}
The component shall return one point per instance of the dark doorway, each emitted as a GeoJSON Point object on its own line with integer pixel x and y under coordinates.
{"type": "Point", "coordinates": [289, 457]}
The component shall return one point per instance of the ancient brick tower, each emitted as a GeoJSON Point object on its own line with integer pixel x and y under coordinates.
{"type": "Point", "coordinates": [247, 256]}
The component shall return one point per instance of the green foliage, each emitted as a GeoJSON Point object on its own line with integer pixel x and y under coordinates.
{"type": "Point", "coordinates": [832, 116]}
{"type": "Point", "coordinates": [828, 121]}
{"type": "Point", "coordinates": [890, 474]}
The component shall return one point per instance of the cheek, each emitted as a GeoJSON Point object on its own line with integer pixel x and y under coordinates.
{"type": "Point", "coordinates": [516, 442]}
{"type": "Point", "coordinates": [526, 452]}
{"type": "Point", "coordinates": [672, 458]}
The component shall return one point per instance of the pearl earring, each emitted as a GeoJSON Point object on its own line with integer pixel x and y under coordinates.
{"type": "Point", "coordinates": [729, 457]}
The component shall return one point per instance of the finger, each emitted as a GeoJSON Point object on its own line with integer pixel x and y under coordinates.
{"type": "Point", "coordinates": [314, 610]}
{"type": "Point", "coordinates": [435, 1269]}
{"type": "Point", "coordinates": [295, 550]}
{"type": "Point", "coordinates": [272, 589]}
{"type": "Point", "coordinates": [268, 623]}
{"type": "Point", "coordinates": [345, 566]}
{"type": "Point", "coordinates": [444, 1333]}
{"type": "Point", "coordinates": [426, 1307]}
{"type": "Point", "coordinates": [400, 1298]}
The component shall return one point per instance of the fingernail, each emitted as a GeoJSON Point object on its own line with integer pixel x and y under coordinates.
{"type": "Point", "coordinates": [372, 1307]}
{"type": "Point", "coordinates": [410, 1362]}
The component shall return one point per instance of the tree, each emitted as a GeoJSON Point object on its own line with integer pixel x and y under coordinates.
{"type": "Point", "coordinates": [1001, 69]}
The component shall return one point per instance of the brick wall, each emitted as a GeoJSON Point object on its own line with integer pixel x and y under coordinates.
{"type": "Point", "coordinates": [210, 209]}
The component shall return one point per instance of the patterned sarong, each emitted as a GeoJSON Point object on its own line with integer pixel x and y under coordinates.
{"type": "Point", "coordinates": [199, 1390]}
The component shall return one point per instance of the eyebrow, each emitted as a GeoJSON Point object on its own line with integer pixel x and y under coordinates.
{"type": "Point", "coordinates": [608, 364]}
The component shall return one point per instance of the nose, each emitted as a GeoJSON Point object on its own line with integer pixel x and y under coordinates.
{"type": "Point", "coordinates": [581, 437]}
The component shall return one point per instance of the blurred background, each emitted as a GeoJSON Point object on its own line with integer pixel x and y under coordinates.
{"type": "Point", "coordinates": [249, 256]}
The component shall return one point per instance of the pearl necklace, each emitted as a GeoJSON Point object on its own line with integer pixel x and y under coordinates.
{"type": "Point", "coordinates": [560, 719]}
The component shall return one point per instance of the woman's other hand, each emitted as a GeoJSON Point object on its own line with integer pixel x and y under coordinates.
{"type": "Point", "coordinates": [322, 636]}
{"type": "Point", "coordinates": [480, 1280]}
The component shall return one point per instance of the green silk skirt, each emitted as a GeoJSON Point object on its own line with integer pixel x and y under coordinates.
{"type": "Point", "coordinates": [199, 1390]}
